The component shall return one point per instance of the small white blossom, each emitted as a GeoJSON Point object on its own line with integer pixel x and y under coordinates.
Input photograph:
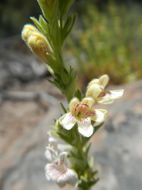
{"type": "Point", "coordinates": [56, 169]}
{"type": "Point", "coordinates": [96, 90]}
{"type": "Point", "coordinates": [52, 151]}
{"type": "Point", "coordinates": [58, 172]}
{"type": "Point", "coordinates": [83, 114]}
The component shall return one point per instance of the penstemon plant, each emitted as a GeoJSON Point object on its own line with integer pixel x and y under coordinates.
{"type": "Point", "coordinates": [70, 163]}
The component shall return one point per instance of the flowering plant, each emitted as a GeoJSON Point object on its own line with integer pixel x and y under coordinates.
{"type": "Point", "coordinates": [81, 119]}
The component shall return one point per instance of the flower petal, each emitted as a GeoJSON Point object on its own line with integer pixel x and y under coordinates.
{"type": "Point", "coordinates": [100, 116]}
{"type": "Point", "coordinates": [94, 81]}
{"type": "Point", "coordinates": [52, 141]}
{"type": "Point", "coordinates": [93, 91]}
{"type": "Point", "coordinates": [103, 80]}
{"type": "Point", "coordinates": [107, 99]}
{"type": "Point", "coordinates": [67, 121]}
{"type": "Point", "coordinates": [50, 154]}
{"type": "Point", "coordinates": [111, 96]}
{"type": "Point", "coordinates": [88, 101]}
{"type": "Point", "coordinates": [85, 127]}
{"type": "Point", "coordinates": [60, 173]}
{"type": "Point", "coordinates": [63, 156]}
{"type": "Point", "coordinates": [116, 93]}
{"type": "Point", "coordinates": [74, 101]}
{"type": "Point", "coordinates": [69, 177]}
{"type": "Point", "coordinates": [52, 172]}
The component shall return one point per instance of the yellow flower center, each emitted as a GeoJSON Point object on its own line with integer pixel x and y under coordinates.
{"type": "Point", "coordinates": [82, 111]}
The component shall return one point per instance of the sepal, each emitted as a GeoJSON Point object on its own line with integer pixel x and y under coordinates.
{"type": "Point", "coordinates": [49, 8]}
{"type": "Point", "coordinates": [70, 21]}
{"type": "Point", "coordinates": [64, 6]}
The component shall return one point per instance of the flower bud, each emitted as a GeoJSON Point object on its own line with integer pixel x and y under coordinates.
{"type": "Point", "coordinates": [39, 45]}
{"type": "Point", "coordinates": [94, 81]}
{"type": "Point", "coordinates": [103, 80]}
{"type": "Point", "coordinates": [27, 31]}
{"type": "Point", "coordinates": [93, 91]}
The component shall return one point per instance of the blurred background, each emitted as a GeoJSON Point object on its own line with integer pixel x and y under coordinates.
{"type": "Point", "coordinates": [107, 38]}
{"type": "Point", "coordinates": [109, 30]}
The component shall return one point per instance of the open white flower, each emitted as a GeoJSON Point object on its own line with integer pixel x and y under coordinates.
{"type": "Point", "coordinates": [56, 170]}
{"type": "Point", "coordinates": [84, 115]}
{"type": "Point", "coordinates": [60, 173]}
{"type": "Point", "coordinates": [96, 90]}
{"type": "Point", "coordinates": [54, 149]}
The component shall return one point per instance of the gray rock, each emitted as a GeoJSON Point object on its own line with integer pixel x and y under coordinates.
{"type": "Point", "coordinates": [22, 166]}
{"type": "Point", "coordinates": [119, 153]}
{"type": "Point", "coordinates": [19, 69]}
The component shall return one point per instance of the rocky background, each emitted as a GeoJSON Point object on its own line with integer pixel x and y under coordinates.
{"type": "Point", "coordinates": [28, 105]}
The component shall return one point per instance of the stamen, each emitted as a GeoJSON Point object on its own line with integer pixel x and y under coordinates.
{"type": "Point", "coordinates": [102, 94]}
{"type": "Point", "coordinates": [82, 110]}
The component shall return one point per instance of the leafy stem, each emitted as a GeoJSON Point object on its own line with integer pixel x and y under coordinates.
{"type": "Point", "coordinates": [79, 156]}
{"type": "Point", "coordinates": [46, 40]}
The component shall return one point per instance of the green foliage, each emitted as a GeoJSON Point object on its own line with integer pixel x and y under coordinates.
{"type": "Point", "coordinates": [64, 6]}
{"type": "Point", "coordinates": [55, 25]}
{"type": "Point", "coordinates": [109, 42]}
{"type": "Point", "coordinates": [79, 155]}
{"type": "Point", "coordinates": [71, 136]}
{"type": "Point", "coordinates": [65, 81]}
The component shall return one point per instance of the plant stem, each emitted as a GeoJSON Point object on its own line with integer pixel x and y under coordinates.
{"type": "Point", "coordinates": [66, 81]}
{"type": "Point", "coordinates": [80, 163]}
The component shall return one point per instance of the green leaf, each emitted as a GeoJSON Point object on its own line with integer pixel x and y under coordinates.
{"type": "Point", "coordinates": [69, 136]}
{"type": "Point", "coordinates": [43, 23]}
{"type": "Point", "coordinates": [63, 108]}
{"type": "Point", "coordinates": [98, 127]}
{"type": "Point", "coordinates": [64, 6]}
{"type": "Point", "coordinates": [68, 25]}
{"type": "Point", "coordinates": [87, 148]}
{"type": "Point", "coordinates": [37, 23]}
{"type": "Point", "coordinates": [49, 8]}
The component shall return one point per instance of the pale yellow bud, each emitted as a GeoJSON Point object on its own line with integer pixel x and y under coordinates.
{"type": "Point", "coordinates": [103, 80]}
{"type": "Point", "coordinates": [73, 104]}
{"type": "Point", "coordinates": [94, 91]}
{"type": "Point", "coordinates": [94, 81]}
{"type": "Point", "coordinates": [39, 45]}
{"type": "Point", "coordinates": [88, 101]}
{"type": "Point", "coordinates": [27, 31]}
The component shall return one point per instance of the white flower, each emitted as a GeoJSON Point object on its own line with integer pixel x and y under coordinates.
{"type": "Point", "coordinates": [50, 154]}
{"type": "Point", "coordinates": [52, 151]}
{"type": "Point", "coordinates": [96, 90]}
{"type": "Point", "coordinates": [83, 114]}
{"type": "Point", "coordinates": [56, 170]}
{"type": "Point", "coordinates": [60, 173]}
